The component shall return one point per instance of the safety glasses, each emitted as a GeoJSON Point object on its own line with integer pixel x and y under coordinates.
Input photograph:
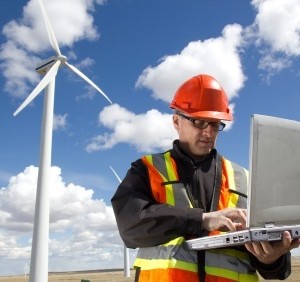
{"type": "Point", "coordinates": [202, 124]}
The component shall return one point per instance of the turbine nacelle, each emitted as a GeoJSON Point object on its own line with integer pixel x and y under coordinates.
{"type": "Point", "coordinates": [45, 65]}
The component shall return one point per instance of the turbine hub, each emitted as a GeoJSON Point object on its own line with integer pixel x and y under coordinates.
{"type": "Point", "coordinates": [61, 58]}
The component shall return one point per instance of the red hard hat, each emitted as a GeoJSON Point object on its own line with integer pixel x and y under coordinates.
{"type": "Point", "coordinates": [202, 97]}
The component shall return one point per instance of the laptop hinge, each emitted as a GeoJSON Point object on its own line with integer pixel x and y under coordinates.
{"type": "Point", "coordinates": [269, 225]}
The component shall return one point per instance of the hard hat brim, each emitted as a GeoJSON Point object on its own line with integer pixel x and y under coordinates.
{"type": "Point", "coordinates": [212, 115]}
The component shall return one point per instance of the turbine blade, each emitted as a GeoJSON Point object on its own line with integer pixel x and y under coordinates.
{"type": "Point", "coordinates": [50, 31]}
{"type": "Point", "coordinates": [42, 84]}
{"type": "Point", "coordinates": [116, 174]}
{"type": "Point", "coordinates": [84, 77]}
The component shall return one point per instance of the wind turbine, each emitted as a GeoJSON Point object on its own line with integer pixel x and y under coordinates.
{"type": "Point", "coordinates": [49, 68]}
{"type": "Point", "coordinates": [126, 251]}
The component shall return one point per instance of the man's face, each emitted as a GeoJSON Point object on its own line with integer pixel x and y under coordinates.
{"type": "Point", "coordinates": [195, 141]}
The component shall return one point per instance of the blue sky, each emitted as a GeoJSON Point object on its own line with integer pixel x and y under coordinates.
{"type": "Point", "coordinates": [138, 53]}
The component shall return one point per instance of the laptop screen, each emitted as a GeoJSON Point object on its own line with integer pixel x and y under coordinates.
{"type": "Point", "coordinates": [274, 165]}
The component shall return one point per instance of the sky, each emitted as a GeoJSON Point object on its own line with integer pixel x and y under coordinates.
{"type": "Point", "coordinates": [138, 52]}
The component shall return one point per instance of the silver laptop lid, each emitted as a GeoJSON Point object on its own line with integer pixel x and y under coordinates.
{"type": "Point", "coordinates": [274, 186]}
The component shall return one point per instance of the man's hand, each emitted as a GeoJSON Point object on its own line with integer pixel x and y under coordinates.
{"type": "Point", "coordinates": [268, 253]}
{"type": "Point", "coordinates": [225, 220]}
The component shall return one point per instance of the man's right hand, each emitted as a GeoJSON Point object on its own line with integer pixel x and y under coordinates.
{"type": "Point", "coordinates": [229, 219]}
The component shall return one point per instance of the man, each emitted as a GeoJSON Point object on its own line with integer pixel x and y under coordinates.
{"type": "Point", "coordinates": [192, 191]}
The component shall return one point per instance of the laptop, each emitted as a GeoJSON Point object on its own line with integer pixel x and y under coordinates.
{"type": "Point", "coordinates": [273, 203]}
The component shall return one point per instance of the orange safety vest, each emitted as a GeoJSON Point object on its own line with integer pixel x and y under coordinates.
{"type": "Point", "coordinates": [172, 261]}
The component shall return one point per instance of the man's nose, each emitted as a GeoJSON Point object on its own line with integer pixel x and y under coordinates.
{"type": "Point", "coordinates": [209, 131]}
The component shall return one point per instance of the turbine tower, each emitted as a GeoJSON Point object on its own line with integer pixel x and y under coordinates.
{"type": "Point", "coordinates": [49, 68]}
{"type": "Point", "coordinates": [126, 250]}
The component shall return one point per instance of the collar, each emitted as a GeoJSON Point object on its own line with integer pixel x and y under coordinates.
{"type": "Point", "coordinates": [181, 153]}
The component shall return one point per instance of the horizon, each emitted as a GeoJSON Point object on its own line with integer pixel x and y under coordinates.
{"type": "Point", "coordinates": [138, 53]}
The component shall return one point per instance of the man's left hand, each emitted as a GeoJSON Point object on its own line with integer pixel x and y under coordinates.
{"type": "Point", "coordinates": [268, 253]}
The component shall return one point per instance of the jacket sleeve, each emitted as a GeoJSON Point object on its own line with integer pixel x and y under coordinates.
{"type": "Point", "coordinates": [281, 269]}
{"type": "Point", "coordinates": [141, 221]}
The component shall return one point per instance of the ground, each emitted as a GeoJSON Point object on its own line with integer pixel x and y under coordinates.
{"type": "Point", "coordinates": [118, 276]}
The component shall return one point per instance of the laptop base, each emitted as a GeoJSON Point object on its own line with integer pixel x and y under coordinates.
{"type": "Point", "coordinates": [241, 237]}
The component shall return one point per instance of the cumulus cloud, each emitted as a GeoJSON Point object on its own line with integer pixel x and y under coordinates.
{"type": "Point", "coordinates": [82, 228]}
{"type": "Point", "coordinates": [219, 57]}
{"type": "Point", "coordinates": [27, 37]}
{"type": "Point", "coordinates": [276, 31]}
{"type": "Point", "coordinates": [17, 68]}
{"type": "Point", "coordinates": [278, 24]}
{"type": "Point", "coordinates": [67, 202]}
{"type": "Point", "coordinates": [30, 31]}
{"type": "Point", "coordinates": [149, 131]}
{"type": "Point", "coordinates": [60, 122]}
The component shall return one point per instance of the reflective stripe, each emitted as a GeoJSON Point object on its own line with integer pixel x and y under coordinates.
{"type": "Point", "coordinates": [228, 197]}
{"type": "Point", "coordinates": [156, 180]}
{"type": "Point", "coordinates": [233, 198]}
{"type": "Point", "coordinates": [231, 264]}
{"type": "Point", "coordinates": [234, 276]}
{"type": "Point", "coordinates": [171, 254]}
{"type": "Point", "coordinates": [147, 264]}
{"type": "Point", "coordinates": [222, 265]}
{"type": "Point", "coordinates": [170, 165]}
{"type": "Point", "coordinates": [241, 177]}
{"type": "Point", "coordinates": [159, 164]}
{"type": "Point", "coordinates": [165, 166]}
{"type": "Point", "coordinates": [170, 195]}
{"type": "Point", "coordinates": [231, 252]}
{"type": "Point", "coordinates": [172, 176]}
{"type": "Point", "coordinates": [162, 174]}
{"type": "Point", "coordinates": [181, 198]}
{"type": "Point", "coordinates": [235, 182]}
{"type": "Point", "coordinates": [242, 202]}
{"type": "Point", "coordinates": [172, 249]}
{"type": "Point", "coordinates": [234, 261]}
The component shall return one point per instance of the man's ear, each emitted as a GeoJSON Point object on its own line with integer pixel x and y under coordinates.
{"type": "Point", "coordinates": [176, 121]}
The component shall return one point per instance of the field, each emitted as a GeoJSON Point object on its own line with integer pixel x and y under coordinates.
{"type": "Point", "coordinates": [78, 276]}
{"type": "Point", "coordinates": [118, 276]}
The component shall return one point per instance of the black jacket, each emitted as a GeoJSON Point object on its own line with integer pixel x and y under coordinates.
{"type": "Point", "coordinates": [142, 222]}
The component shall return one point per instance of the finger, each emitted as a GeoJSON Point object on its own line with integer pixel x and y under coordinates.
{"type": "Point", "coordinates": [238, 226]}
{"type": "Point", "coordinates": [266, 247]}
{"type": "Point", "coordinates": [260, 248]}
{"type": "Point", "coordinates": [286, 239]}
{"type": "Point", "coordinates": [249, 247]}
{"type": "Point", "coordinates": [295, 244]}
{"type": "Point", "coordinates": [244, 211]}
{"type": "Point", "coordinates": [229, 224]}
{"type": "Point", "coordinates": [255, 248]}
{"type": "Point", "coordinates": [233, 214]}
{"type": "Point", "coordinates": [241, 217]}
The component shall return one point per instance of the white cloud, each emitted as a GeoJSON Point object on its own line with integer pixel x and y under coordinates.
{"type": "Point", "coordinates": [82, 228]}
{"type": "Point", "coordinates": [153, 131]}
{"type": "Point", "coordinates": [148, 132]}
{"type": "Point", "coordinates": [218, 57]}
{"type": "Point", "coordinates": [30, 31]}
{"type": "Point", "coordinates": [276, 31]}
{"type": "Point", "coordinates": [278, 24]}
{"type": "Point", "coordinates": [27, 37]}
{"type": "Point", "coordinates": [17, 68]}
{"type": "Point", "coordinates": [273, 64]}
{"type": "Point", "coordinates": [60, 122]}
